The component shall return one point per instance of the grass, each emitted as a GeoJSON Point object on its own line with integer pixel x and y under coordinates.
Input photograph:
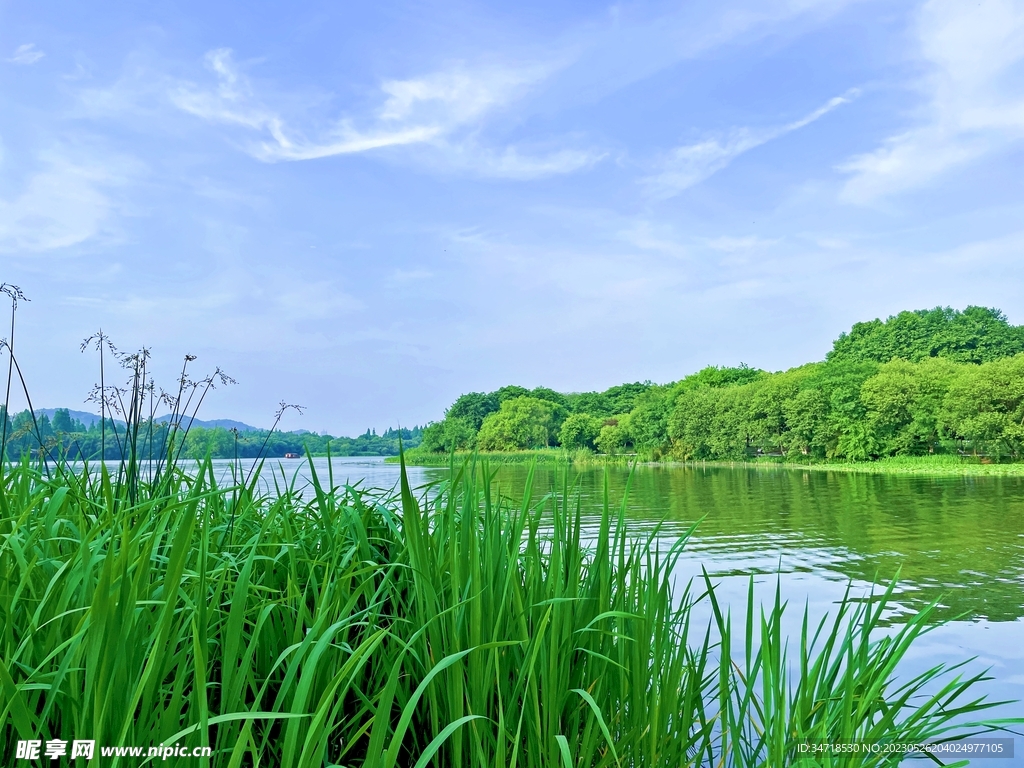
{"type": "Point", "coordinates": [893, 465]}
{"type": "Point", "coordinates": [367, 628]}
{"type": "Point", "coordinates": [144, 605]}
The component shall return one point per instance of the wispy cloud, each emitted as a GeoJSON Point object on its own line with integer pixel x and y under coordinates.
{"type": "Point", "coordinates": [729, 244]}
{"type": "Point", "coordinates": [685, 166]}
{"type": "Point", "coordinates": [232, 102]}
{"type": "Point", "coordinates": [65, 203]}
{"type": "Point", "coordinates": [634, 41]}
{"type": "Point", "coordinates": [26, 54]}
{"type": "Point", "coordinates": [441, 111]}
{"type": "Point", "coordinates": [510, 162]}
{"type": "Point", "coordinates": [973, 102]}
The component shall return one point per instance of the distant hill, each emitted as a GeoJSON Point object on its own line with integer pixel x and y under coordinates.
{"type": "Point", "coordinates": [88, 419]}
{"type": "Point", "coordinates": [79, 436]}
{"type": "Point", "coordinates": [223, 423]}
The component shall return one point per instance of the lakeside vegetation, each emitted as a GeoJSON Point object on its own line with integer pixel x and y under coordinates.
{"type": "Point", "coordinates": [70, 438]}
{"type": "Point", "coordinates": [144, 604]}
{"type": "Point", "coordinates": [939, 464]}
{"type": "Point", "coordinates": [357, 627]}
{"type": "Point", "coordinates": [926, 383]}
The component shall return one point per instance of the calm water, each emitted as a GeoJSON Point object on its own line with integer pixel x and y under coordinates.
{"type": "Point", "coordinates": [959, 540]}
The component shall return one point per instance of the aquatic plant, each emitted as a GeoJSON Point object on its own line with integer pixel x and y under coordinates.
{"type": "Point", "coordinates": [143, 604]}
{"type": "Point", "coordinates": [450, 627]}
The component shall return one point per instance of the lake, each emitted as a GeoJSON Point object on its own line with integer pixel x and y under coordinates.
{"type": "Point", "coordinates": [955, 540]}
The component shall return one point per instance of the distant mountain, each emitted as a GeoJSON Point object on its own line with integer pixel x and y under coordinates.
{"type": "Point", "coordinates": [83, 416]}
{"type": "Point", "coordinates": [224, 423]}
{"type": "Point", "coordinates": [88, 419]}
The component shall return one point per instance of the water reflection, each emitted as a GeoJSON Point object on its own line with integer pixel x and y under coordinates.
{"type": "Point", "coordinates": [959, 540]}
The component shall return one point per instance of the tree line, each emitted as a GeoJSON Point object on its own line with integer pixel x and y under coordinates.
{"type": "Point", "coordinates": [921, 382]}
{"type": "Point", "coordinates": [64, 436]}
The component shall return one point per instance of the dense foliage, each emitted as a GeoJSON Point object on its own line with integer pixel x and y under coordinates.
{"type": "Point", "coordinates": [64, 436]}
{"type": "Point", "coordinates": [355, 628]}
{"type": "Point", "coordinates": [926, 382]}
{"type": "Point", "coordinates": [976, 335]}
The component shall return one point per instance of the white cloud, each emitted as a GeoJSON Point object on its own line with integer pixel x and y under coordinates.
{"type": "Point", "coordinates": [974, 99]}
{"type": "Point", "coordinates": [691, 164]}
{"type": "Point", "coordinates": [649, 236]}
{"type": "Point", "coordinates": [439, 119]}
{"type": "Point", "coordinates": [233, 103]}
{"type": "Point", "coordinates": [441, 112]}
{"type": "Point", "coordinates": [508, 163]}
{"type": "Point", "coordinates": [64, 204]}
{"type": "Point", "coordinates": [456, 97]}
{"type": "Point", "coordinates": [637, 40]}
{"type": "Point", "coordinates": [728, 244]}
{"type": "Point", "coordinates": [26, 54]}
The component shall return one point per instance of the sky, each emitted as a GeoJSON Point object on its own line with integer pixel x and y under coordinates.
{"type": "Point", "coordinates": [370, 208]}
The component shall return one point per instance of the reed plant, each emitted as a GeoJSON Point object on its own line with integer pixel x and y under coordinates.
{"type": "Point", "coordinates": [354, 627]}
{"type": "Point", "coordinates": [142, 604]}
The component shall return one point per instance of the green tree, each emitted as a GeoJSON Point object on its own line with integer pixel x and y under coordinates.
{"type": "Point", "coordinates": [719, 376]}
{"type": "Point", "coordinates": [622, 398]}
{"type": "Point", "coordinates": [474, 407]}
{"type": "Point", "coordinates": [615, 435]}
{"type": "Point", "coordinates": [510, 392]}
{"type": "Point", "coordinates": [984, 406]}
{"type": "Point", "coordinates": [767, 413]}
{"type": "Point", "coordinates": [648, 421]}
{"type": "Point", "coordinates": [595, 403]}
{"type": "Point", "coordinates": [579, 430]}
{"type": "Point", "coordinates": [62, 421]}
{"type": "Point", "coordinates": [521, 422]}
{"type": "Point", "coordinates": [807, 418]}
{"type": "Point", "coordinates": [731, 438]}
{"type": "Point", "coordinates": [543, 393]}
{"type": "Point", "coordinates": [712, 423]}
{"type": "Point", "coordinates": [976, 335]}
{"type": "Point", "coordinates": [5, 421]}
{"type": "Point", "coordinates": [691, 423]}
{"type": "Point", "coordinates": [46, 430]}
{"type": "Point", "coordinates": [450, 434]}
{"type": "Point", "coordinates": [903, 403]}
{"type": "Point", "coordinates": [845, 433]}
{"type": "Point", "coordinates": [23, 423]}
{"type": "Point", "coordinates": [857, 442]}
{"type": "Point", "coordinates": [886, 388]}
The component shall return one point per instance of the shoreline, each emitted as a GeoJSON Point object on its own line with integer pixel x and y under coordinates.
{"type": "Point", "coordinates": [904, 465]}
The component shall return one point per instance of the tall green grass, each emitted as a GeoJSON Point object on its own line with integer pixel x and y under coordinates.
{"type": "Point", "coordinates": [443, 627]}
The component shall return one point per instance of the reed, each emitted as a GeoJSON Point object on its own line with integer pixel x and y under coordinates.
{"type": "Point", "coordinates": [337, 625]}
{"type": "Point", "coordinates": [445, 626]}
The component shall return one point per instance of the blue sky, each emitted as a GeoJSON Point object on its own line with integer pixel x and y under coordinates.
{"type": "Point", "coordinates": [371, 208]}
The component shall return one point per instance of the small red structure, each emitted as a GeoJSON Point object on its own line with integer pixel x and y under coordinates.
{"type": "Point", "coordinates": [291, 455]}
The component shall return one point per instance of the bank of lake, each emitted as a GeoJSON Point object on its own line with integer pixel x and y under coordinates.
{"type": "Point", "coordinates": [896, 465]}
